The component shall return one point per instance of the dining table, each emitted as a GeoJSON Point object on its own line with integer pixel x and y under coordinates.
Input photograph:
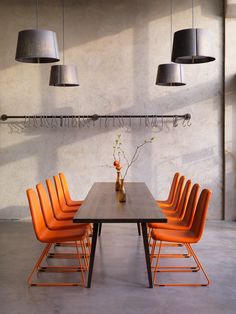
{"type": "Point", "coordinates": [102, 205]}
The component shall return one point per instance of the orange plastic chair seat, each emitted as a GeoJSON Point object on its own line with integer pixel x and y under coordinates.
{"type": "Point", "coordinates": [177, 236]}
{"type": "Point", "coordinates": [52, 236]}
{"type": "Point", "coordinates": [177, 225]}
{"type": "Point", "coordinates": [65, 216]}
{"type": "Point", "coordinates": [59, 224]}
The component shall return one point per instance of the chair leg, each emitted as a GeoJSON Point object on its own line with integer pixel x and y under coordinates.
{"type": "Point", "coordinates": [59, 269]}
{"type": "Point", "coordinates": [178, 269]}
{"type": "Point", "coordinates": [187, 254]}
{"type": "Point", "coordinates": [38, 263]}
{"type": "Point", "coordinates": [157, 260]}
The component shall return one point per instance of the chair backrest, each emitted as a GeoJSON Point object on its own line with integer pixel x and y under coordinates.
{"type": "Point", "coordinates": [173, 188]}
{"type": "Point", "coordinates": [178, 193]}
{"type": "Point", "coordinates": [65, 188]}
{"type": "Point", "coordinates": [200, 214]}
{"type": "Point", "coordinates": [184, 199]}
{"type": "Point", "coordinates": [60, 193]}
{"type": "Point", "coordinates": [53, 198]}
{"type": "Point", "coordinates": [36, 214]}
{"type": "Point", "coordinates": [45, 205]}
{"type": "Point", "coordinates": [191, 206]}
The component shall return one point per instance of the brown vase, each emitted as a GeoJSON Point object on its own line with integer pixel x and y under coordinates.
{"type": "Point", "coordinates": [122, 193]}
{"type": "Point", "coordinates": [117, 186]}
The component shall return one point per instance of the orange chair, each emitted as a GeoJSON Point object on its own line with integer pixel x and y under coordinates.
{"type": "Point", "coordinates": [181, 209]}
{"type": "Point", "coordinates": [61, 197]}
{"type": "Point", "coordinates": [59, 214]}
{"type": "Point", "coordinates": [65, 188]}
{"type": "Point", "coordinates": [54, 224]}
{"type": "Point", "coordinates": [179, 191]}
{"type": "Point", "coordinates": [169, 201]}
{"type": "Point", "coordinates": [67, 198]}
{"type": "Point", "coordinates": [187, 237]}
{"type": "Point", "coordinates": [180, 224]}
{"type": "Point", "coordinates": [49, 237]}
{"type": "Point", "coordinates": [186, 222]}
{"type": "Point", "coordinates": [51, 222]}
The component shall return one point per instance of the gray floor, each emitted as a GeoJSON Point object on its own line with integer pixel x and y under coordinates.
{"type": "Point", "coordinates": [119, 281]}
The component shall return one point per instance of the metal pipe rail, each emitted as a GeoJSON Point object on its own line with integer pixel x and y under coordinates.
{"type": "Point", "coordinates": [95, 117]}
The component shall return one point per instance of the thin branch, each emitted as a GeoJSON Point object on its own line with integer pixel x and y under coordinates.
{"type": "Point", "coordinates": [135, 157]}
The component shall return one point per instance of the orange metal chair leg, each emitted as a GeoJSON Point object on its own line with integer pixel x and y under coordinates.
{"type": "Point", "coordinates": [183, 269]}
{"type": "Point", "coordinates": [58, 269]}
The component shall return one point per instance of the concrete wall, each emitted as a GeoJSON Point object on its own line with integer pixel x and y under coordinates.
{"type": "Point", "coordinates": [230, 111]}
{"type": "Point", "coordinates": [117, 46]}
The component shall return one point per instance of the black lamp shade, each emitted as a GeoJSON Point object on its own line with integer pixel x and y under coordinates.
{"type": "Point", "coordinates": [170, 74]}
{"type": "Point", "coordinates": [37, 46]}
{"type": "Point", "coordinates": [192, 45]}
{"type": "Point", "coordinates": [63, 75]}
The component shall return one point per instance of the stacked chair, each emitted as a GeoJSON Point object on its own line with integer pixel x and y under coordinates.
{"type": "Point", "coordinates": [186, 216]}
{"type": "Point", "coordinates": [53, 225]}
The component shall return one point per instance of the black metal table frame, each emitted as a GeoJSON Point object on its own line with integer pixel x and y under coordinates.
{"type": "Point", "coordinates": [96, 228]}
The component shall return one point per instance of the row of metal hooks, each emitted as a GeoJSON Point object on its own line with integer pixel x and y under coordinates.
{"type": "Point", "coordinates": [19, 123]}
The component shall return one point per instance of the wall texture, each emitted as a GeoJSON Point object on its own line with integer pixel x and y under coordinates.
{"type": "Point", "coordinates": [117, 46]}
{"type": "Point", "coordinates": [230, 112]}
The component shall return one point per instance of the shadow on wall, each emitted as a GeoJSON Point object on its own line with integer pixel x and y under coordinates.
{"type": "Point", "coordinates": [30, 147]}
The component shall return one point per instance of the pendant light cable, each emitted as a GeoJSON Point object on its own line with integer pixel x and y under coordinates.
{"type": "Point", "coordinates": [171, 25]}
{"type": "Point", "coordinates": [63, 31]}
{"type": "Point", "coordinates": [192, 14]}
{"type": "Point", "coordinates": [37, 14]}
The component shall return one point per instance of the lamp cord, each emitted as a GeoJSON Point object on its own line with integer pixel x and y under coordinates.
{"type": "Point", "coordinates": [63, 31]}
{"type": "Point", "coordinates": [192, 14]}
{"type": "Point", "coordinates": [171, 26]}
{"type": "Point", "coordinates": [36, 13]}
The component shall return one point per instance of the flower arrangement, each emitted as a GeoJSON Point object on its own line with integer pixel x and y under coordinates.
{"type": "Point", "coordinates": [118, 152]}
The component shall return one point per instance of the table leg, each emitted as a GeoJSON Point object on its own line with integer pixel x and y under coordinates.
{"type": "Point", "coordinates": [92, 253]}
{"type": "Point", "coordinates": [147, 255]}
{"type": "Point", "coordinates": [99, 229]}
{"type": "Point", "coordinates": [139, 230]}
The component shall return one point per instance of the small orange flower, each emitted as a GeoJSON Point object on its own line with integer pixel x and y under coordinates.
{"type": "Point", "coordinates": [116, 163]}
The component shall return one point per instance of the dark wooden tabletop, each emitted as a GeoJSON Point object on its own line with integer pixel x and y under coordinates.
{"type": "Point", "coordinates": [102, 205]}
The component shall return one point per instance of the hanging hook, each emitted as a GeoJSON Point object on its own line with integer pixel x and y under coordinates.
{"type": "Point", "coordinates": [79, 123]}
{"type": "Point", "coordinates": [162, 122]}
{"type": "Point", "coordinates": [188, 118]}
{"type": "Point", "coordinates": [26, 123]}
{"type": "Point", "coordinates": [140, 121]}
{"type": "Point", "coordinates": [74, 122]}
{"type": "Point", "coordinates": [106, 123]}
{"type": "Point", "coordinates": [130, 122]}
{"type": "Point", "coordinates": [147, 122]}
{"type": "Point", "coordinates": [35, 122]}
{"type": "Point", "coordinates": [175, 121]}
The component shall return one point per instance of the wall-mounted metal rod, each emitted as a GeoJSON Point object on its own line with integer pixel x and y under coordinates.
{"type": "Point", "coordinates": [95, 117]}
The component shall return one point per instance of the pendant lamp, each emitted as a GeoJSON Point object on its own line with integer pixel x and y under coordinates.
{"type": "Point", "coordinates": [192, 45]}
{"type": "Point", "coordinates": [37, 45]}
{"type": "Point", "coordinates": [62, 75]}
{"type": "Point", "coordinates": [170, 74]}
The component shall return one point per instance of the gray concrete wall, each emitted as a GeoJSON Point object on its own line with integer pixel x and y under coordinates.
{"type": "Point", "coordinates": [117, 46]}
{"type": "Point", "coordinates": [230, 112]}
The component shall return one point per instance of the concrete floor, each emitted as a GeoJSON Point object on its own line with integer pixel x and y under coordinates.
{"type": "Point", "coordinates": [119, 280]}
